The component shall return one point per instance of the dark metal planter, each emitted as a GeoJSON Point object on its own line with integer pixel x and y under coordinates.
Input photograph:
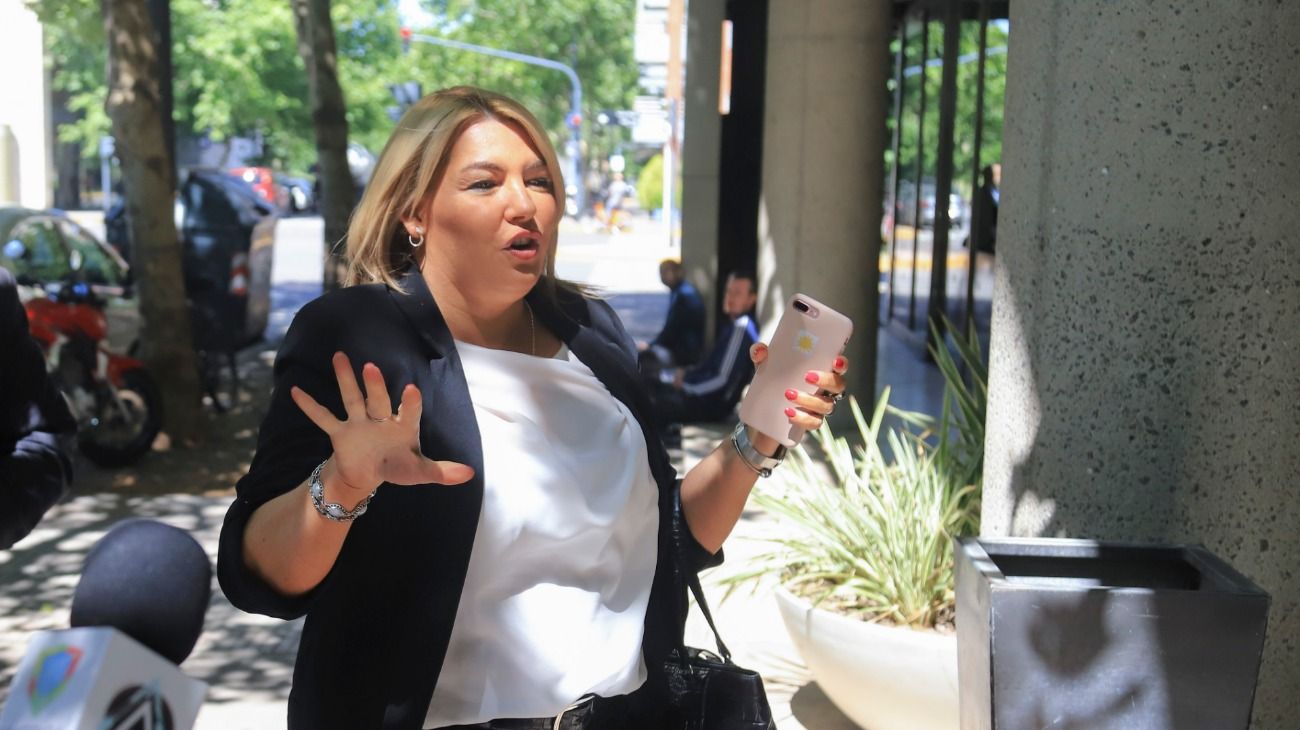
{"type": "Point", "coordinates": [1076, 634]}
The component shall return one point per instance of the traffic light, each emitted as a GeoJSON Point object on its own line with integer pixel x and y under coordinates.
{"type": "Point", "coordinates": [574, 121]}
{"type": "Point", "coordinates": [406, 39]}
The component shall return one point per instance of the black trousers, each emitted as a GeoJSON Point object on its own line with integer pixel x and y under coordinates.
{"type": "Point", "coordinates": [672, 406]}
{"type": "Point", "coordinates": [597, 713]}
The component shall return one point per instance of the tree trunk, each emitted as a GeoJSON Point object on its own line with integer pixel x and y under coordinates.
{"type": "Point", "coordinates": [329, 120]}
{"type": "Point", "coordinates": [134, 108]}
{"type": "Point", "coordinates": [67, 175]}
{"type": "Point", "coordinates": [160, 15]}
{"type": "Point", "coordinates": [67, 155]}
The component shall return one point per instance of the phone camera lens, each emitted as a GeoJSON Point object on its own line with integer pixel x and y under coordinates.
{"type": "Point", "coordinates": [800, 306]}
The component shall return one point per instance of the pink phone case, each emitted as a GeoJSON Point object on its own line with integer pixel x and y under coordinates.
{"type": "Point", "coordinates": [808, 337]}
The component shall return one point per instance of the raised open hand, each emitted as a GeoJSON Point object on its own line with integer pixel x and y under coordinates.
{"type": "Point", "coordinates": [374, 445]}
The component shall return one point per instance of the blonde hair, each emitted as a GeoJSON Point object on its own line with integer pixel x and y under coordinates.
{"type": "Point", "coordinates": [407, 170]}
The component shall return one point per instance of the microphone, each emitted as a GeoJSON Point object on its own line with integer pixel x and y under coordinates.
{"type": "Point", "coordinates": [137, 612]}
{"type": "Point", "coordinates": [150, 581]}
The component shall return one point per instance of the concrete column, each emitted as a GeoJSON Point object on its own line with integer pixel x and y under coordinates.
{"type": "Point", "coordinates": [823, 160]}
{"type": "Point", "coordinates": [700, 143]}
{"type": "Point", "coordinates": [10, 163]}
{"type": "Point", "coordinates": [1145, 359]}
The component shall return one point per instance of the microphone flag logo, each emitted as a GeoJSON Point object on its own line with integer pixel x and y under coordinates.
{"type": "Point", "coordinates": [54, 670]}
{"type": "Point", "coordinates": [139, 707]}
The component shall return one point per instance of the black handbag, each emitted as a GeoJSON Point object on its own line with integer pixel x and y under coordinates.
{"type": "Point", "coordinates": [708, 691]}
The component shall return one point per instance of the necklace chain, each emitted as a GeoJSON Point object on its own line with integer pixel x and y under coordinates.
{"type": "Point", "coordinates": [532, 330]}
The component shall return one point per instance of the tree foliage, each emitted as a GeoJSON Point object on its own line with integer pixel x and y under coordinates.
{"type": "Point", "coordinates": [650, 185]}
{"type": "Point", "coordinates": [237, 71]}
{"type": "Point", "coordinates": [964, 130]}
{"type": "Point", "coordinates": [593, 36]}
{"type": "Point", "coordinates": [74, 36]}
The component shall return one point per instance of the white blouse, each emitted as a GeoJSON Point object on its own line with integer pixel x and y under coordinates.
{"type": "Point", "coordinates": [554, 602]}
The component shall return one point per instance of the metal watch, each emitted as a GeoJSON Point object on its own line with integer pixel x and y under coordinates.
{"type": "Point", "coordinates": [333, 510]}
{"type": "Point", "coordinates": [760, 463]}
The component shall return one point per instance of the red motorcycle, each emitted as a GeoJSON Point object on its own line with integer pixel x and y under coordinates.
{"type": "Point", "coordinates": [114, 399]}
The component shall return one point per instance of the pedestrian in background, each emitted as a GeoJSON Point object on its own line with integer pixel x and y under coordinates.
{"type": "Point", "coordinates": [504, 547]}
{"type": "Point", "coordinates": [615, 200]}
{"type": "Point", "coordinates": [681, 339]}
{"type": "Point", "coordinates": [984, 216]}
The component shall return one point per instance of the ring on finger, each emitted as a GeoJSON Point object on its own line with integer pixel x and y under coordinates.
{"type": "Point", "coordinates": [372, 419]}
{"type": "Point", "coordinates": [833, 397]}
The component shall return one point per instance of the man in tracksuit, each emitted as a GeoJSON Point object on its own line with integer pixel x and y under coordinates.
{"type": "Point", "coordinates": [710, 390]}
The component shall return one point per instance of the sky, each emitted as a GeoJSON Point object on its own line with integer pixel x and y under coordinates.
{"type": "Point", "coordinates": [412, 15]}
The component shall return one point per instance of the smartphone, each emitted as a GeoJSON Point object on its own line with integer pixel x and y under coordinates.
{"type": "Point", "coordinates": [809, 337]}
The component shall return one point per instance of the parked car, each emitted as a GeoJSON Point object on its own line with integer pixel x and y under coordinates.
{"type": "Point", "coordinates": [227, 234]}
{"type": "Point", "coordinates": [905, 211]}
{"type": "Point", "coordinates": [228, 245]}
{"type": "Point", "coordinates": [264, 182]}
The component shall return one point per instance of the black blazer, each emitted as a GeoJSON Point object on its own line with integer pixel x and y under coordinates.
{"type": "Point", "coordinates": [378, 625]}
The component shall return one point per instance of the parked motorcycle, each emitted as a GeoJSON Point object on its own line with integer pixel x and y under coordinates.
{"type": "Point", "coordinates": [113, 397]}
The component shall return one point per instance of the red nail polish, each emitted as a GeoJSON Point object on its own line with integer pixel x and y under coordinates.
{"type": "Point", "coordinates": [789, 413]}
{"type": "Point", "coordinates": [839, 363]}
{"type": "Point", "coordinates": [811, 377]}
{"type": "Point", "coordinates": [791, 395]}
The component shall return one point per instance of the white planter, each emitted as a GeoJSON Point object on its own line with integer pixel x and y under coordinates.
{"type": "Point", "coordinates": [881, 677]}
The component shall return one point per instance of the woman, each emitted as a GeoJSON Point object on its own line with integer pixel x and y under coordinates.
{"type": "Point", "coordinates": [519, 560]}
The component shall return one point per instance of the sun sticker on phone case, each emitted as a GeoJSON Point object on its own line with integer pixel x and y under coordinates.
{"type": "Point", "coordinates": [805, 342]}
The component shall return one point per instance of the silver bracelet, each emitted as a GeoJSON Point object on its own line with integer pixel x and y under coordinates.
{"type": "Point", "coordinates": [333, 510]}
{"type": "Point", "coordinates": [760, 463]}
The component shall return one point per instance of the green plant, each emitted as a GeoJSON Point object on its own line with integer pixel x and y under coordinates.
{"type": "Point", "coordinates": [960, 427]}
{"type": "Point", "coordinates": [650, 185]}
{"type": "Point", "coordinates": [870, 528]}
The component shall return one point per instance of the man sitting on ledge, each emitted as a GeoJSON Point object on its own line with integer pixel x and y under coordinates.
{"type": "Point", "coordinates": [682, 338]}
{"type": "Point", "coordinates": [710, 390]}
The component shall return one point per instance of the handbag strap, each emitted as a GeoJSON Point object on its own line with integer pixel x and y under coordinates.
{"type": "Point", "coordinates": [693, 580]}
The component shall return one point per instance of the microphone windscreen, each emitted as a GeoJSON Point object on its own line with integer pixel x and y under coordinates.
{"type": "Point", "coordinates": [150, 581]}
